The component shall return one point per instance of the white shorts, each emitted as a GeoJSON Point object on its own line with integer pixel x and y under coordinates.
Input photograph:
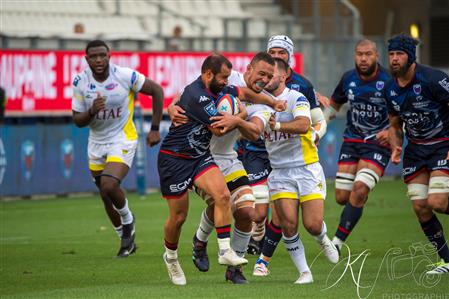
{"type": "Point", "coordinates": [231, 168]}
{"type": "Point", "coordinates": [304, 183]}
{"type": "Point", "coordinates": [120, 152]}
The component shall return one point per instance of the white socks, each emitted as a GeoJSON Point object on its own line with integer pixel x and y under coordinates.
{"type": "Point", "coordinates": [125, 214]}
{"type": "Point", "coordinates": [296, 250]}
{"type": "Point", "coordinates": [206, 227]}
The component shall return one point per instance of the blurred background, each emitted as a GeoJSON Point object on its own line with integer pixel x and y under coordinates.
{"type": "Point", "coordinates": [42, 44]}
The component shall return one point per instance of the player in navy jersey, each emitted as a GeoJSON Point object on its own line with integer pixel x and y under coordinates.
{"type": "Point", "coordinates": [365, 151]}
{"type": "Point", "coordinates": [185, 160]}
{"type": "Point", "coordinates": [418, 99]}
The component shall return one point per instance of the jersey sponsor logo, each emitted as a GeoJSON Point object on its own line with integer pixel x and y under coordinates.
{"type": "Point", "coordinates": [352, 84]}
{"type": "Point", "coordinates": [444, 84]}
{"type": "Point", "coordinates": [181, 186]}
{"type": "Point", "coordinates": [417, 88]}
{"type": "Point", "coordinates": [396, 106]}
{"type": "Point", "coordinates": [76, 80]}
{"type": "Point", "coordinates": [133, 78]}
{"type": "Point", "coordinates": [92, 86]}
{"type": "Point", "coordinates": [378, 94]}
{"type": "Point", "coordinates": [380, 85]}
{"type": "Point", "coordinates": [109, 113]}
{"type": "Point", "coordinates": [301, 101]}
{"type": "Point", "coordinates": [393, 93]}
{"type": "Point", "coordinates": [203, 99]}
{"type": "Point", "coordinates": [111, 86]}
{"type": "Point", "coordinates": [210, 109]}
{"type": "Point", "coordinates": [258, 176]}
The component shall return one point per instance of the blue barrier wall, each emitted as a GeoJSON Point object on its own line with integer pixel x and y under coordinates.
{"type": "Point", "coordinates": [52, 159]}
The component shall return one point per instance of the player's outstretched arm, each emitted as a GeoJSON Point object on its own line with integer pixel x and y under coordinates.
{"type": "Point", "coordinates": [330, 111]}
{"type": "Point", "coordinates": [154, 90]}
{"type": "Point", "coordinates": [248, 95]}
{"type": "Point", "coordinates": [395, 137]}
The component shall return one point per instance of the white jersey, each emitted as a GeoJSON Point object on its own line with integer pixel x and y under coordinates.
{"type": "Point", "coordinates": [115, 123]}
{"type": "Point", "coordinates": [289, 150]}
{"type": "Point", "coordinates": [224, 145]}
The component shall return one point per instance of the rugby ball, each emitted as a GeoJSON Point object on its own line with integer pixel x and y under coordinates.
{"type": "Point", "coordinates": [228, 104]}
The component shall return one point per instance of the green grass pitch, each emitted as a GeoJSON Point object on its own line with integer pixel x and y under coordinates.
{"type": "Point", "coordinates": [64, 248]}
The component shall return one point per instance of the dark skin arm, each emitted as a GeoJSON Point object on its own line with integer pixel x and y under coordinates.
{"type": "Point", "coordinates": [82, 119]}
{"type": "Point", "coordinates": [154, 90]}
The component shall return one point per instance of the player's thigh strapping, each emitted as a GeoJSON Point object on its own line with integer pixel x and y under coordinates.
{"type": "Point", "coordinates": [352, 153]}
{"type": "Point", "coordinates": [419, 158]}
{"type": "Point", "coordinates": [258, 167]}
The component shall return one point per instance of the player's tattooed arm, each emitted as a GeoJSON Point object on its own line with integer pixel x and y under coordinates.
{"type": "Point", "coordinates": [395, 137]}
{"type": "Point", "coordinates": [82, 119]}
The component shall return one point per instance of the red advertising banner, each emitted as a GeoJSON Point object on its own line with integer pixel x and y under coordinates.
{"type": "Point", "coordinates": [40, 82]}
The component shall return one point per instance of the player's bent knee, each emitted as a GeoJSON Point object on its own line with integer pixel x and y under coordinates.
{"type": "Point", "coordinates": [439, 184]}
{"type": "Point", "coordinates": [261, 194]}
{"type": "Point", "coordinates": [313, 227]}
{"type": "Point", "coordinates": [438, 202]}
{"type": "Point", "coordinates": [344, 181]}
{"type": "Point", "coordinates": [367, 176]}
{"type": "Point", "coordinates": [342, 196]}
{"type": "Point", "coordinates": [417, 191]}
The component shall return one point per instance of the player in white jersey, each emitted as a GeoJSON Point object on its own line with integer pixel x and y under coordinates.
{"type": "Point", "coordinates": [297, 178]}
{"type": "Point", "coordinates": [258, 74]}
{"type": "Point", "coordinates": [103, 99]}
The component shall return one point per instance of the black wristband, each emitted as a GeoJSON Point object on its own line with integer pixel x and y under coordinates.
{"type": "Point", "coordinates": [154, 127]}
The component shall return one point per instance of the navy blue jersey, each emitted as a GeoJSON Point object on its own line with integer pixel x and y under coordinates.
{"type": "Point", "coordinates": [299, 83]}
{"type": "Point", "coordinates": [368, 112]}
{"type": "Point", "coordinates": [422, 105]}
{"type": "Point", "coordinates": [192, 140]}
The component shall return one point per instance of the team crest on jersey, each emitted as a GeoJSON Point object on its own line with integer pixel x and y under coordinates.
{"type": "Point", "coordinates": [210, 109]}
{"type": "Point", "coordinates": [380, 85]}
{"type": "Point", "coordinates": [295, 87]}
{"type": "Point", "coordinates": [417, 88]}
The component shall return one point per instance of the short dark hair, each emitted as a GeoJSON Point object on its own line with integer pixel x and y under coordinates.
{"type": "Point", "coordinates": [262, 56]}
{"type": "Point", "coordinates": [96, 43]}
{"type": "Point", "coordinates": [281, 64]}
{"type": "Point", "coordinates": [214, 62]}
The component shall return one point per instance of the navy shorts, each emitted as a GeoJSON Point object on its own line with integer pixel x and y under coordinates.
{"type": "Point", "coordinates": [421, 157]}
{"type": "Point", "coordinates": [352, 152]}
{"type": "Point", "coordinates": [177, 174]}
{"type": "Point", "coordinates": [257, 165]}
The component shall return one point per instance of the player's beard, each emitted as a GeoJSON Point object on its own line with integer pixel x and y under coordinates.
{"type": "Point", "coordinates": [400, 72]}
{"type": "Point", "coordinates": [272, 86]}
{"type": "Point", "coordinates": [215, 87]}
{"type": "Point", "coordinates": [368, 72]}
